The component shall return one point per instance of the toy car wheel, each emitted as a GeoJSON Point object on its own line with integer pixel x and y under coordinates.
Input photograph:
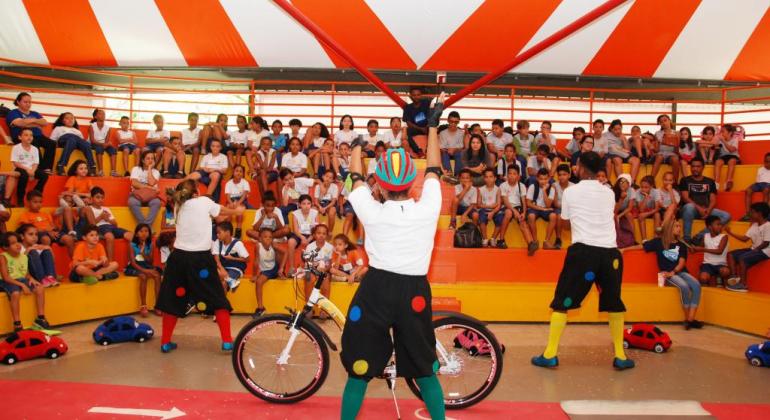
{"type": "Point", "coordinates": [473, 351]}
{"type": "Point", "coordinates": [458, 345]}
{"type": "Point", "coordinates": [756, 361]}
{"type": "Point", "coordinates": [659, 348]}
{"type": "Point", "coordinates": [52, 354]}
{"type": "Point", "coordinates": [105, 341]}
{"type": "Point", "coordinates": [141, 338]}
{"type": "Point", "coordinates": [10, 359]}
{"type": "Point", "coordinates": [625, 344]}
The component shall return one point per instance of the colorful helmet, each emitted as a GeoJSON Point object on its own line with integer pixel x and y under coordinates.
{"type": "Point", "coordinates": [395, 170]}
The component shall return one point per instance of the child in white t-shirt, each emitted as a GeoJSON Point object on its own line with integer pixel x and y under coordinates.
{"type": "Point", "coordinates": [740, 260]}
{"type": "Point", "coordinates": [267, 265]}
{"type": "Point", "coordinates": [371, 167]}
{"type": "Point", "coordinates": [649, 205]}
{"type": "Point", "coordinates": [231, 256]}
{"type": "Point", "coordinates": [237, 191]}
{"type": "Point", "coordinates": [714, 250]}
{"type": "Point", "coordinates": [323, 250]}
{"type": "Point", "coordinates": [157, 139]}
{"type": "Point", "coordinates": [513, 194]}
{"type": "Point", "coordinates": [393, 137]}
{"type": "Point", "coordinates": [761, 184]}
{"type": "Point", "coordinates": [346, 133]}
{"type": "Point", "coordinates": [465, 200]}
{"type": "Point", "coordinates": [488, 205]}
{"type": "Point", "coordinates": [211, 169]}
{"type": "Point", "coordinates": [127, 144]}
{"type": "Point", "coordinates": [264, 164]}
{"type": "Point", "coordinates": [540, 198]}
{"type": "Point", "coordinates": [326, 197]}
{"type": "Point", "coordinates": [561, 184]}
{"type": "Point", "coordinates": [371, 138]}
{"type": "Point", "coordinates": [237, 142]}
{"type": "Point", "coordinates": [303, 220]}
{"type": "Point", "coordinates": [99, 134]}
{"type": "Point", "coordinates": [295, 160]}
{"type": "Point", "coordinates": [26, 161]}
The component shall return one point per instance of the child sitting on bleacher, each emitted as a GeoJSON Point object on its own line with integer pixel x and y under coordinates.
{"type": "Point", "coordinates": [238, 141]}
{"type": "Point", "coordinates": [277, 138]}
{"type": "Point", "coordinates": [157, 139]}
{"type": "Point", "coordinates": [537, 162]}
{"type": "Point", "coordinates": [266, 266]}
{"type": "Point", "coordinates": [349, 220]}
{"type": "Point", "coordinates": [264, 165]}
{"type": "Point", "coordinates": [562, 183]}
{"type": "Point", "coordinates": [128, 144]}
{"type": "Point", "coordinates": [371, 166]}
{"type": "Point", "coordinates": [41, 262]}
{"type": "Point", "coordinates": [231, 256]}
{"type": "Point", "coordinates": [509, 158]}
{"type": "Point", "coordinates": [625, 208]}
{"type": "Point", "coordinates": [513, 193]}
{"type": "Point", "coordinates": [729, 137]}
{"type": "Point", "coordinates": [47, 231]}
{"type": "Point", "coordinates": [740, 260]}
{"type": "Point", "coordinates": [89, 260]}
{"type": "Point", "coordinates": [464, 201]}
{"type": "Point", "coordinates": [325, 250]}
{"type": "Point", "coordinates": [648, 204]}
{"type": "Point", "coordinates": [268, 217]}
{"type": "Point", "coordinates": [714, 253]}
{"type": "Point", "coordinates": [99, 135]}
{"type": "Point", "coordinates": [540, 198]}
{"type": "Point", "coordinates": [237, 192]}
{"type": "Point", "coordinates": [101, 216]}
{"type": "Point", "coordinates": [25, 159]}
{"type": "Point", "coordinates": [347, 264]}
{"type": "Point", "coordinates": [708, 144]}
{"type": "Point", "coordinates": [69, 137]}
{"type": "Point", "coordinates": [295, 161]}
{"type": "Point", "coordinates": [668, 196]}
{"type": "Point", "coordinates": [167, 235]}
{"type": "Point", "coordinates": [341, 160]}
{"type": "Point", "coordinates": [761, 184]}
{"type": "Point", "coordinates": [523, 140]}
{"type": "Point", "coordinates": [304, 221]}
{"type": "Point", "coordinates": [211, 169]}
{"type": "Point", "coordinates": [488, 205]}
{"type": "Point", "coordinates": [16, 280]}
{"type": "Point", "coordinates": [325, 198]}
{"type": "Point", "coordinates": [76, 194]}
{"type": "Point", "coordinates": [546, 138]}
{"type": "Point", "coordinates": [173, 158]}
{"type": "Point", "coordinates": [371, 138]}
{"type": "Point", "coordinates": [140, 264]}
{"type": "Point", "coordinates": [292, 189]}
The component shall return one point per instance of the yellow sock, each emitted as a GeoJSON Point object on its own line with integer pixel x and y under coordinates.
{"type": "Point", "coordinates": [558, 322]}
{"type": "Point", "coordinates": [616, 330]}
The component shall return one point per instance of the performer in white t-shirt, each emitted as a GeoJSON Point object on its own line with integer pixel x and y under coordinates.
{"type": "Point", "coordinates": [593, 258]}
{"type": "Point", "coordinates": [190, 279]}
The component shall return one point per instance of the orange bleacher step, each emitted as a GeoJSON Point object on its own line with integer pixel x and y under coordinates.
{"type": "Point", "coordinates": [446, 303]}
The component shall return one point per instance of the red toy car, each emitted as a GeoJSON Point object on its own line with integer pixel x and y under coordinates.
{"type": "Point", "coordinates": [646, 336]}
{"type": "Point", "coordinates": [29, 344]}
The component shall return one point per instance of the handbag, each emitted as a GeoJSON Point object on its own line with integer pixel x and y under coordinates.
{"type": "Point", "coordinates": [145, 194]}
{"type": "Point", "coordinates": [671, 139]}
{"type": "Point", "coordinates": [467, 236]}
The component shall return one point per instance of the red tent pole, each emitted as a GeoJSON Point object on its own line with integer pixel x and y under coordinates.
{"type": "Point", "coordinates": [536, 49]}
{"type": "Point", "coordinates": [329, 42]}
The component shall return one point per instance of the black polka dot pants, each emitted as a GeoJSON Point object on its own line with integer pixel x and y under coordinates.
{"type": "Point", "coordinates": [584, 267]}
{"type": "Point", "coordinates": [191, 279]}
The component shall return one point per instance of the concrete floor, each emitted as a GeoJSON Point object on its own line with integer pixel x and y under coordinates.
{"type": "Point", "coordinates": [706, 365]}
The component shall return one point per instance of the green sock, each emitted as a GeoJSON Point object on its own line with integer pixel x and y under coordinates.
{"type": "Point", "coordinates": [352, 398]}
{"type": "Point", "coordinates": [432, 396]}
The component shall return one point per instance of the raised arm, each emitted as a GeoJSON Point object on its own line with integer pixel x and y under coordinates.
{"type": "Point", "coordinates": [433, 153]}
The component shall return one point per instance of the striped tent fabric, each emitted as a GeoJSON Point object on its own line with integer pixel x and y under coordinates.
{"type": "Point", "coordinates": [679, 39]}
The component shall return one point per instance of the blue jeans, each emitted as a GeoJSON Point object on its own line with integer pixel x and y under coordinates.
{"type": "Point", "coordinates": [70, 142]}
{"type": "Point", "coordinates": [41, 264]}
{"type": "Point", "coordinates": [689, 213]}
{"type": "Point", "coordinates": [689, 288]}
{"type": "Point", "coordinates": [457, 156]}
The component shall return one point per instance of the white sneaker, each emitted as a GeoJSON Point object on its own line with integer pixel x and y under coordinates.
{"type": "Point", "coordinates": [732, 281]}
{"type": "Point", "coordinates": [484, 242]}
{"type": "Point", "coordinates": [233, 283]}
{"type": "Point", "coordinates": [493, 243]}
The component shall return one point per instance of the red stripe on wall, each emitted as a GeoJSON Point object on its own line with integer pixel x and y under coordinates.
{"type": "Point", "coordinates": [642, 39]}
{"type": "Point", "coordinates": [69, 33]}
{"type": "Point", "coordinates": [488, 39]}
{"type": "Point", "coordinates": [753, 62]}
{"type": "Point", "coordinates": [359, 31]}
{"type": "Point", "coordinates": [204, 33]}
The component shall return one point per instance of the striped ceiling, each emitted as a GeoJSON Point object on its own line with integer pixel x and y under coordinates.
{"type": "Point", "coordinates": [688, 39]}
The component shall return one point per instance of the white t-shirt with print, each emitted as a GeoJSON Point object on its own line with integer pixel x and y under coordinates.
{"type": "Point", "coordinates": [470, 198]}
{"type": "Point", "coordinates": [239, 137]}
{"type": "Point", "coordinates": [268, 223]}
{"type": "Point", "coordinates": [324, 253]}
{"type": "Point", "coordinates": [140, 174]}
{"type": "Point", "coordinates": [331, 193]}
{"type": "Point", "coordinates": [499, 142]}
{"type": "Point", "coordinates": [266, 258]}
{"type": "Point", "coordinates": [516, 193]}
{"type": "Point", "coordinates": [534, 164]}
{"type": "Point", "coordinates": [488, 196]}
{"type": "Point", "coordinates": [763, 175]}
{"type": "Point", "coordinates": [541, 195]}
{"type": "Point", "coordinates": [254, 137]}
{"type": "Point", "coordinates": [98, 212]}
{"type": "Point", "coordinates": [218, 162]}
{"type": "Point", "coordinates": [237, 190]}
{"type": "Point", "coordinates": [294, 163]}
{"type": "Point", "coordinates": [193, 224]}
{"type": "Point", "coordinates": [303, 223]}
{"type": "Point", "coordinates": [25, 158]}
{"type": "Point", "coordinates": [191, 137]}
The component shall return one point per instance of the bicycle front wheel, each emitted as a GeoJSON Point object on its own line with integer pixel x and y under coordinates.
{"type": "Point", "coordinates": [470, 361]}
{"type": "Point", "coordinates": [258, 365]}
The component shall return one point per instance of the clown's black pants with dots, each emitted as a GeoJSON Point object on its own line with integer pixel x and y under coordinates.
{"type": "Point", "coordinates": [386, 300]}
{"type": "Point", "coordinates": [584, 267]}
{"type": "Point", "coordinates": [191, 278]}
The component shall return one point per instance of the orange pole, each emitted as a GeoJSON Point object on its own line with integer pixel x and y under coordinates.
{"type": "Point", "coordinates": [252, 105]}
{"type": "Point", "coordinates": [536, 49]}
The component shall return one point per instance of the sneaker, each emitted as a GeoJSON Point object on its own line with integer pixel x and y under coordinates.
{"type": "Point", "coordinates": [100, 173]}
{"type": "Point", "coordinates": [114, 174]}
{"type": "Point", "coordinates": [484, 243]}
{"type": "Point", "coordinates": [542, 361]}
{"type": "Point", "coordinates": [42, 323]}
{"type": "Point", "coordinates": [557, 244]}
{"type": "Point", "coordinates": [72, 233]}
{"type": "Point", "coordinates": [17, 326]}
{"type": "Point", "coordinates": [732, 281]}
{"type": "Point", "coordinates": [493, 243]}
{"type": "Point", "coordinates": [696, 324]}
{"type": "Point", "coordinates": [50, 281]}
{"type": "Point", "coordinates": [258, 313]}
{"type": "Point", "coordinates": [227, 346]}
{"type": "Point", "coordinates": [111, 276]}
{"type": "Point", "coordinates": [502, 245]}
{"type": "Point", "coordinates": [233, 284]}
{"type": "Point", "coordinates": [532, 247]}
{"type": "Point", "coordinates": [449, 179]}
{"type": "Point", "coordinates": [89, 280]}
{"type": "Point", "coordinates": [740, 287]}
{"type": "Point", "coordinates": [168, 347]}
{"type": "Point", "coordinates": [620, 364]}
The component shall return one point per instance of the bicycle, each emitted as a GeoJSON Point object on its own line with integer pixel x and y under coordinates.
{"type": "Point", "coordinates": [284, 358]}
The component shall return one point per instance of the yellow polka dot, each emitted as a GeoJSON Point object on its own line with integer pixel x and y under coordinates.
{"type": "Point", "coordinates": [201, 306]}
{"type": "Point", "coordinates": [615, 263]}
{"type": "Point", "coordinates": [360, 367]}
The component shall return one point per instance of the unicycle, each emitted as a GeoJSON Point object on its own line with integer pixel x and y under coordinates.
{"type": "Point", "coordinates": [284, 358]}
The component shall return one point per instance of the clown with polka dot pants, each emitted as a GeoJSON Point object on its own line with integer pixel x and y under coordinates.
{"type": "Point", "coordinates": [190, 279]}
{"type": "Point", "coordinates": [593, 259]}
{"type": "Point", "coordinates": [391, 309]}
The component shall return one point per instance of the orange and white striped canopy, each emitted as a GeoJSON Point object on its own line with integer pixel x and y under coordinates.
{"type": "Point", "coordinates": [685, 39]}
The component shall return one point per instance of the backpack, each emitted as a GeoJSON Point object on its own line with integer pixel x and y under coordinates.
{"type": "Point", "coordinates": [467, 236]}
{"type": "Point", "coordinates": [231, 264]}
{"type": "Point", "coordinates": [537, 191]}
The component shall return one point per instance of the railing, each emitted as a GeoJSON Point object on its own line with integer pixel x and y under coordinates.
{"type": "Point", "coordinates": [140, 96]}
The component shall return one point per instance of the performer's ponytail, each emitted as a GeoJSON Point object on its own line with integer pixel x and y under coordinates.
{"type": "Point", "coordinates": [184, 191]}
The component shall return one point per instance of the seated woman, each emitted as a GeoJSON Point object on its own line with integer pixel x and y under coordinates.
{"type": "Point", "coordinates": [24, 117]}
{"type": "Point", "coordinates": [476, 159]}
{"type": "Point", "coordinates": [144, 189]}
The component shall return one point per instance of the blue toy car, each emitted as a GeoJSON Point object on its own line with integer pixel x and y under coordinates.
{"type": "Point", "coordinates": [121, 329]}
{"type": "Point", "coordinates": [759, 354]}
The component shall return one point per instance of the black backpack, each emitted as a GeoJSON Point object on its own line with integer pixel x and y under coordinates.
{"type": "Point", "coordinates": [468, 236]}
